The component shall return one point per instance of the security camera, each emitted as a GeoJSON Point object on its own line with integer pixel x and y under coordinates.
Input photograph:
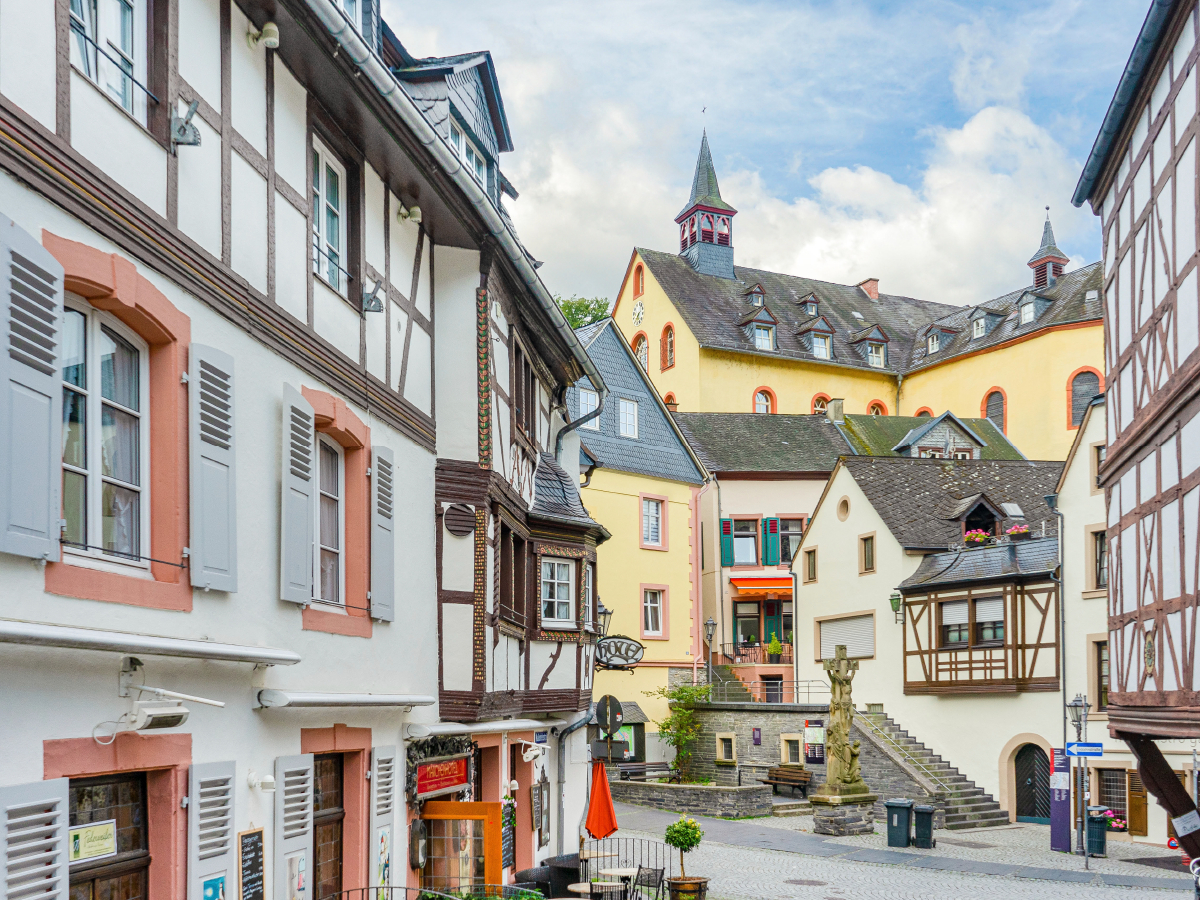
{"type": "Point", "coordinates": [151, 714]}
{"type": "Point", "coordinates": [534, 751]}
{"type": "Point", "coordinates": [268, 37]}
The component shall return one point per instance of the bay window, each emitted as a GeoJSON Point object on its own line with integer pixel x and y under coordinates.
{"type": "Point", "coordinates": [329, 218]}
{"type": "Point", "coordinates": [105, 438]}
{"type": "Point", "coordinates": [557, 577]}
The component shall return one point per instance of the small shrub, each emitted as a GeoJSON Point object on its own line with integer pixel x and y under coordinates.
{"type": "Point", "coordinates": [774, 647]}
{"type": "Point", "coordinates": [681, 728]}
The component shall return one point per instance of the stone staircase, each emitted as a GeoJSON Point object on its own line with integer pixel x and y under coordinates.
{"type": "Point", "coordinates": [728, 688]}
{"type": "Point", "coordinates": [966, 804]}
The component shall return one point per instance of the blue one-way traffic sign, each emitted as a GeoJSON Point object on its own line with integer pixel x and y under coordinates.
{"type": "Point", "coordinates": [1076, 749]}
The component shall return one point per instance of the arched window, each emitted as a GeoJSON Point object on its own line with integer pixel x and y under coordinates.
{"type": "Point", "coordinates": [641, 349]}
{"type": "Point", "coordinates": [994, 409]}
{"type": "Point", "coordinates": [691, 231]}
{"type": "Point", "coordinates": [639, 281]}
{"type": "Point", "coordinates": [1084, 387]}
{"type": "Point", "coordinates": [667, 348]}
{"type": "Point", "coordinates": [706, 228]}
{"type": "Point", "coordinates": [762, 402]}
{"type": "Point", "coordinates": [876, 409]}
{"type": "Point", "coordinates": [924, 412]}
{"type": "Point", "coordinates": [683, 236]}
{"type": "Point", "coordinates": [723, 230]}
{"type": "Point", "coordinates": [670, 401]}
{"type": "Point", "coordinates": [819, 405]}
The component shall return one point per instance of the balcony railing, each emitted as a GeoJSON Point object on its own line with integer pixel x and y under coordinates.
{"type": "Point", "coordinates": [751, 654]}
{"type": "Point", "coordinates": [770, 690]}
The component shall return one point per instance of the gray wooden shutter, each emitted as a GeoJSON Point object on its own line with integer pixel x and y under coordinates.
{"type": "Point", "coordinates": [30, 396]}
{"type": "Point", "coordinates": [33, 858]}
{"type": "Point", "coordinates": [299, 497]}
{"type": "Point", "coordinates": [212, 850]}
{"type": "Point", "coordinates": [383, 536]}
{"type": "Point", "coordinates": [293, 825]}
{"type": "Point", "coordinates": [211, 454]}
{"type": "Point", "coordinates": [381, 855]}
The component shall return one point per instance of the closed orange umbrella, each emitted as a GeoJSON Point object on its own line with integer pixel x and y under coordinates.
{"type": "Point", "coordinates": [601, 817]}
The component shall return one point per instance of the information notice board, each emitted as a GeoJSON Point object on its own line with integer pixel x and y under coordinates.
{"type": "Point", "coordinates": [250, 865]}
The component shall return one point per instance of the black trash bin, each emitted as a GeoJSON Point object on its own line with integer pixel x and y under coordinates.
{"type": "Point", "coordinates": [1097, 831]}
{"type": "Point", "coordinates": [923, 827]}
{"type": "Point", "coordinates": [899, 822]}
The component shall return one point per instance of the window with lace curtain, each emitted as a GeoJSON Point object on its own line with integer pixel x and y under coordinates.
{"type": "Point", "coordinates": [105, 440]}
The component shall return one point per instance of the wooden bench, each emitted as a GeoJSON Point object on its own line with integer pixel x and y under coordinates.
{"type": "Point", "coordinates": [645, 771]}
{"type": "Point", "coordinates": [788, 776]}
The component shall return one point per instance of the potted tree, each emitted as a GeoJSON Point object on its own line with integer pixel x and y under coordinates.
{"type": "Point", "coordinates": [685, 836]}
{"type": "Point", "coordinates": [774, 650]}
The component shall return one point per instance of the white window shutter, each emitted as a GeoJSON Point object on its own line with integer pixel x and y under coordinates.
{"type": "Point", "coordinates": [30, 396]}
{"type": "Point", "coordinates": [299, 497]}
{"type": "Point", "coordinates": [212, 560]}
{"type": "Point", "coordinates": [293, 825]}
{"type": "Point", "coordinates": [212, 832]}
{"type": "Point", "coordinates": [383, 535]}
{"type": "Point", "coordinates": [381, 856]}
{"type": "Point", "coordinates": [33, 860]}
{"type": "Point", "coordinates": [856, 632]}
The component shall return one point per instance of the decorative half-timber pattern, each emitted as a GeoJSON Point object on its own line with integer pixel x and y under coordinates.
{"type": "Point", "coordinates": [479, 623]}
{"type": "Point", "coordinates": [483, 376]}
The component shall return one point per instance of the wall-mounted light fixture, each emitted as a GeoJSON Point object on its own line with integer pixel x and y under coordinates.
{"type": "Point", "coordinates": [409, 213]}
{"type": "Point", "coordinates": [897, 602]}
{"type": "Point", "coordinates": [265, 783]}
{"type": "Point", "coordinates": [268, 37]}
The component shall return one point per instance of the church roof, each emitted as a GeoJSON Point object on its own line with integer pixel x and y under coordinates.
{"type": "Point", "coordinates": [705, 191]}
{"type": "Point", "coordinates": [1048, 247]}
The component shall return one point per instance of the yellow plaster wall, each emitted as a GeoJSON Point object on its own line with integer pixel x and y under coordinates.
{"type": "Point", "coordinates": [1034, 375]}
{"type": "Point", "coordinates": [614, 498]}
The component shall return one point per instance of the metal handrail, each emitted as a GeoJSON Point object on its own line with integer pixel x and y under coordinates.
{"type": "Point", "coordinates": [466, 892]}
{"type": "Point", "coordinates": [79, 29]}
{"type": "Point", "coordinates": [761, 691]}
{"type": "Point", "coordinates": [901, 749]}
{"type": "Point", "coordinates": [754, 653]}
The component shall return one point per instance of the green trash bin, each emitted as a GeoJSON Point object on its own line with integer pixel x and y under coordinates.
{"type": "Point", "coordinates": [923, 827]}
{"type": "Point", "coordinates": [1097, 831]}
{"type": "Point", "coordinates": [899, 822]}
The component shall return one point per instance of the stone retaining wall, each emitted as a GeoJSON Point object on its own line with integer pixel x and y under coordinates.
{"type": "Point", "coordinates": [697, 799]}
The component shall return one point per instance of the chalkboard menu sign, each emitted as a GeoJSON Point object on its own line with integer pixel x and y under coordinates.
{"type": "Point", "coordinates": [508, 846]}
{"type": "Point", "coordinates": [250, 865]}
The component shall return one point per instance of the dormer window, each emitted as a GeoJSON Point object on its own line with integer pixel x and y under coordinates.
{"type": "Point", "coordinates": [474, 160]}
{"type": "Point", "coordinates": [809, 305]}
{"type": "Point", "coordinates": [876, 355]}
{"type": "Point", "coordinates": [978, 328]}
{"type": "Point", "coordinates": [756, 295]}
{"type": "Point", "coordinates": [764, 337]}
{"type": "Point", "coordinates": [933, 343]}
{"type": "Point", "coordinates": [821, 346]}
{"type": "Point", "coordinates": [1026, 313]}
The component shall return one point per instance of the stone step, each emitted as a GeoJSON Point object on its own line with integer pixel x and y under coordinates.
{"type": "Point", "coordinates": [791, 808]}
{"type": "Point", "coordinates": [1000, 817]}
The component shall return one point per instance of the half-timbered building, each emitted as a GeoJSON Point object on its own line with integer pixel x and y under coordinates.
{"type": "Point", "coordinates": [289, 563]}
{"type": "Point", "coordinates": [1141, 180]}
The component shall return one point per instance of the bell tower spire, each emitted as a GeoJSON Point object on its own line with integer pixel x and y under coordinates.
{"type": "Point", "coordinates": [706, 223]}
{"type": "Point", "coordinates": [1048, 262]}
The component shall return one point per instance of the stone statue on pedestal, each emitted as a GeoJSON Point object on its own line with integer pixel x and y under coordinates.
{"type": "Point", "coordinates": [843, 775]}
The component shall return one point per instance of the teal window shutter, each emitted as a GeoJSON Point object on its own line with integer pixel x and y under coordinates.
{"type": "Point", "coordinates": [770, 542]}
{"type": "Point", "coordinates": [727, 542]}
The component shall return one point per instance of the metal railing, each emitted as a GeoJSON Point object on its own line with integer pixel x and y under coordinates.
{"type": "Point", "coordinates": [466, 892]}
{"type": "Point", "coordinates": [752, 654]}
{"type": "Point", "coordinates": [630, 853]}
{"type": "Point", "coordinates": [810, 692]}
{"type": "Point", "coordinates": [860, 719]}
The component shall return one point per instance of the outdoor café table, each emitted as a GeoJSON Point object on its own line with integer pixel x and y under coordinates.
{"type": "Point", "coordinates": [596, 888]}
{"type": "Point", "coordinates": [585, 855]}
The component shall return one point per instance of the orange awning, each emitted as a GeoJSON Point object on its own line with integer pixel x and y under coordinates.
{"type": "Point", "coordinates": [755, 586]}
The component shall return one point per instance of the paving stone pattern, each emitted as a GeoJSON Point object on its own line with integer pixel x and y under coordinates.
{"type": "Point", "coordinates": [765, 859]}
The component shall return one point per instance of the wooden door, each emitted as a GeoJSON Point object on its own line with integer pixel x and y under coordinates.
{"type": "Point", "coordinates": [455, 830]}
{"type": "Point", "coordinates": [1033, 785]}
{"type": "Point", "coordinates": [1136, 811]}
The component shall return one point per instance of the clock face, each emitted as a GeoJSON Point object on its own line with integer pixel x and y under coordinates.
{"type": "Point", "coordinates": [638, 311]}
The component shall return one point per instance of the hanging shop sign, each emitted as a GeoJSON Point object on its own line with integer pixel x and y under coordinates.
{"type": "Point", "coordinates": [618, 652]}
{"type": "Point", "coordinates": [441, 776]}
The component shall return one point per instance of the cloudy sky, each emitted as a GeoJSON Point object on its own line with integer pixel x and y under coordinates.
{"type": "Point", "coordinates": [914, 142]}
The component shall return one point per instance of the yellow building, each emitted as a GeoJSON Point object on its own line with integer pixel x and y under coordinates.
{"type": "Point", "coordinates": [644, 481]}
{"type": "Point", "coordinates": [715, 337]}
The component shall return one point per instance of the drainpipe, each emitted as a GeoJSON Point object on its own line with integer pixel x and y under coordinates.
{"type": "Point", "coordinates": [602, 391]}
{"type": "Point", "coordinates": [1052, 502]}
{"type": "Point", "coordinates": [899, 387]}
{"type": "Point", "coordinates": [389, 88]}
{"type": "Point", "coordinates": [562, 770]}
{"type": "Point", "coordinates": [795, 622]}
{"type": "Point", "coordinates": [721, 568]}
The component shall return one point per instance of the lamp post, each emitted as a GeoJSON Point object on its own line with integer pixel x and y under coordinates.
{"type": "Point", "coordinates": [710, 628]}
{"type": "Point", "coordinates": [1078, 710]}
{"type": "Point", "coordinates": [603, 617]}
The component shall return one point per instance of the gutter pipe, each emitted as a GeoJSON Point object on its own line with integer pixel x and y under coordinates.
{"type": "Point", "coordinates": [1052, 502]}
{"type": "Point", "coordinates": [562, 770]}
{"type": "Point", "coordinates": [389, 88]}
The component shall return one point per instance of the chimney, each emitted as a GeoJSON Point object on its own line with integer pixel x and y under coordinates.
{"type": "Point", "coordinates": [833, 412]}
{"type": "Point", "coordinates": [870, 287]}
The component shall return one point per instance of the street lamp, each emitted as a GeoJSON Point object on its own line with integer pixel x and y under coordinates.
{"type": "Point", "coordinates": [1077, 709]}
{"type": "Point", "coordinates": [710, 628]}
{"type": "Point", "coordinates": [603, 617]}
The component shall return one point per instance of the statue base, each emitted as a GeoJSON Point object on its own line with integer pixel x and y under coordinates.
{"type": "Point", "coordinates": [841, 814]}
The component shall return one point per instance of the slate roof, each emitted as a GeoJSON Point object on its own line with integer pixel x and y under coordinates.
{"type": "Point", "coordinates": [877, 435]}
{"type": "Point", "coordinates": [917, 498]}
{"type": "Point", "coordinates": [1048, 247]}
{"type": "Point", "coordinates": [713, 309]}
{"type": "Point", "coordinates": [754, 442]}
{"type": "Point", "coordinates": [556, 496]}
{"type": "Point", "coordinates": [659, 450]}
{"type": "Point", "coordinates": [705, 190]}
{"type": "Point", "coordinates": [631, 714]}
{"type": "Point", "coordinates": [1015, 559]}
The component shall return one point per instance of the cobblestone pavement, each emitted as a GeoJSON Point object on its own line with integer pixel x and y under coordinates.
{"type": "Point", "coordinates": [1030, 844]}
{"type": "Point", "coordinates": [758, 860]}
